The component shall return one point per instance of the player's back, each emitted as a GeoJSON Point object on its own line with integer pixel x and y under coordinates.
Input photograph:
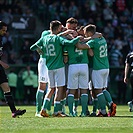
{"type": "Point", "coordinates": [100, 59]}
{"type": "Point", "coordinates": [53, 52]}
{"type": "Point", "coordinates": [76, 56]}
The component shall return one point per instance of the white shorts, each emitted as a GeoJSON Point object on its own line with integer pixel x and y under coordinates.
{"type": "Point", "coordinates": [100, 78]}
{"type": "Point", "coordinates": [57, 77]}
{"type": "Point", "coordinates": [78, 76]}
{"type": "Point", "coordinates": [42, 71]}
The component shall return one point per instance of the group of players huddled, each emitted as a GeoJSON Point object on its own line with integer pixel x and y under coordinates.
{"type": "Point", "coordinates": [73, 62]}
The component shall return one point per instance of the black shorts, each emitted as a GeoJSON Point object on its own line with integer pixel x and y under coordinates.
{"type": "Point", "coordinates": [3, 77]}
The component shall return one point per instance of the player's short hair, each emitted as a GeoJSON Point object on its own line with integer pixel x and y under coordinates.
{"type": "Point", "coordinates": [2, 24]}
{"type": "Point", "coordinates": [72, 21]}
{"type": "Point", "coordinates": [90, 28]}
{"type": "Point", "coordinates": [54, 25]}
{"type": "Point", "coordinates": [79, 28]}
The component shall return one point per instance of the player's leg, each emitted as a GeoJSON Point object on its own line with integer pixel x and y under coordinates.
{"type": "Point", "coordinates": [9, 100]}
{"type": "Point", "coordinates": [46, 102]}
{"type": "Point", "coordinates": [43, 80]}
{"type": "Point", "coordinates": [50, 105]}
{"type": "Point", "coordinates": [98, 85]}
{"type": "Point", "coordinates": [63, 99]}
{"type": "Point", "coordinates": [76, 102]}
{"type": "Point", "coordinates": [72, 86]}
{"type": "Point", "coordinates": [107, 95]}
{"type": "Point", "coordinates": [70, 98]}
{"type": "Point", "coordinates": [84, 101]}
{"type": "Point", "coordinates": [39, 97]}
{"type": "Point", "coordinates": [57, 102]}
{"type": "Point", "coordinates": [83, 84]}
{"type": "Point", "coordinates": [59, 77]}
{"type": "Point", "coordinates": [130, 103]}
{"type": "Point", "coordinates": [111, 104]}
{"type": "Point", "coordinates": [7, 94]}
{"type": "Point", "coordinates": [65, 92]}
{"type": "Point", "coordinates": [94, 103]}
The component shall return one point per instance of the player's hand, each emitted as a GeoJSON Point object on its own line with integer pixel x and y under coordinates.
{"type": "Point", "coordinates": [74, 33]}
{"type": "Point", "coordinates": [39, 51]}
{"type": "Point", "coordinates": [81, 38]}
{"type": "Point", "coordinates": [4, 65]}
{"type": "Point", "coordinates": [125, 80]}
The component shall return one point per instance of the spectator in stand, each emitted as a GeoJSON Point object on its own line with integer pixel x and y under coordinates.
{"type": "Point", "coordinates": [130, 42]}
{"type": "Point", "coordinates": [7, 41]}
{"type": "Point", "coordinates": [120, 6]}
{"type": "Point", "coordinates": [107, 14]}
{"type": "Point", "coordinates": [53, 11]}
{"type": "Point", "coordinates": [12, 58]}
{"type": "Point", "coordinates": [27, 77]}
{"type": "Point", "coordinates": [115, 57]}
{"type": "Point", "coordinates": [42, 12]}
{"type": "Point", "coordinates": [109, 30]}
{"type": "Point", "coordinates": [73, 10]}
{"type": "Point", "coordinates": [7, 16]}
{"type": "Point", "coordinates": [25, 52]}
{"type": "Point", "coordinates": [63, 12]}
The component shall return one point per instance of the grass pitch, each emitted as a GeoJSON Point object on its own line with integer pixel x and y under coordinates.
{"type": "Point", "coordinates": [28, 123]}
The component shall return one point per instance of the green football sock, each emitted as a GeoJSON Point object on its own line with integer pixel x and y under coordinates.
{"type": "Point", "coordinates": [70, 103]}
{"type": "Point", "coordinates": [101, 101]}
{"type": "Point", "coordinates": [84, 101]}
{"type": "Point", "coordinates": [57, 106]}
{"type": "Point", "coordinates": [108, 97]}
{"type": "Point", "coordinates": [45, 103]}
{"type": "Point", "coordinates": [76, 102]}
{"type": "Point", "coordinates": [95, 105]}
{"type": "Point", "coordinates": [50, 103]}
{"type": "Point", "coordinates": [39, 100]}
{"type": "Point", "coordinates": [63, 103]}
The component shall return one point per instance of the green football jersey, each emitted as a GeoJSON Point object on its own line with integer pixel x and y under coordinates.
{"type": "Point", "coordinates": [39, 43]}
{"type": "Point", "coordinates": [45, 32]}
{"type": "Point", "coordinates": [76, 56]}
{"type": "Point", "coordinates": [51, 46]}
{"type": "Point", "coordinates": [100, 59]}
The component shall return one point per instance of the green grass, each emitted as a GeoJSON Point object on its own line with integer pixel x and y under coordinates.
{"type": "Point", "coordinates": [28, 123]}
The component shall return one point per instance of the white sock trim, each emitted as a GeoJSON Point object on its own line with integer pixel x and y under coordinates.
{"type": "Point", "coordinates": [41, 90]}
{"type": "Point", "coordinates": [84, 94]}
{"type": "Point", "coordinates": [70, 95]}
{"type": "Point", "coordinates": [99, 94]}
{"type": "Point", "coordinates": [56, 102]}
{"type": "Point", "coordinates": [48, 99]}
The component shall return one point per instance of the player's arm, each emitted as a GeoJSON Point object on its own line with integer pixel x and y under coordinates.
{"type": "Point", "coordinates": [90, 52]}
{"type": "Point", "coordinates": [37, 46]}
{"type": "Point", "coordinates": [70, 34]}
{"type": "Point", "coordinates": [4, 65]}
{"type": "Point", "coordinates": [96, 35]}
{"type": "Point", "coordinates": [127, 67]}
{"type": "Point", "coordinates": [69, 42]}
{"type": "Point", "coordinates": [82, 46]}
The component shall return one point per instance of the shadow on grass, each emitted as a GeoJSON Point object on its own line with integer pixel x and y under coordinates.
{"type": "Point", "coordinates": [125, 116]}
